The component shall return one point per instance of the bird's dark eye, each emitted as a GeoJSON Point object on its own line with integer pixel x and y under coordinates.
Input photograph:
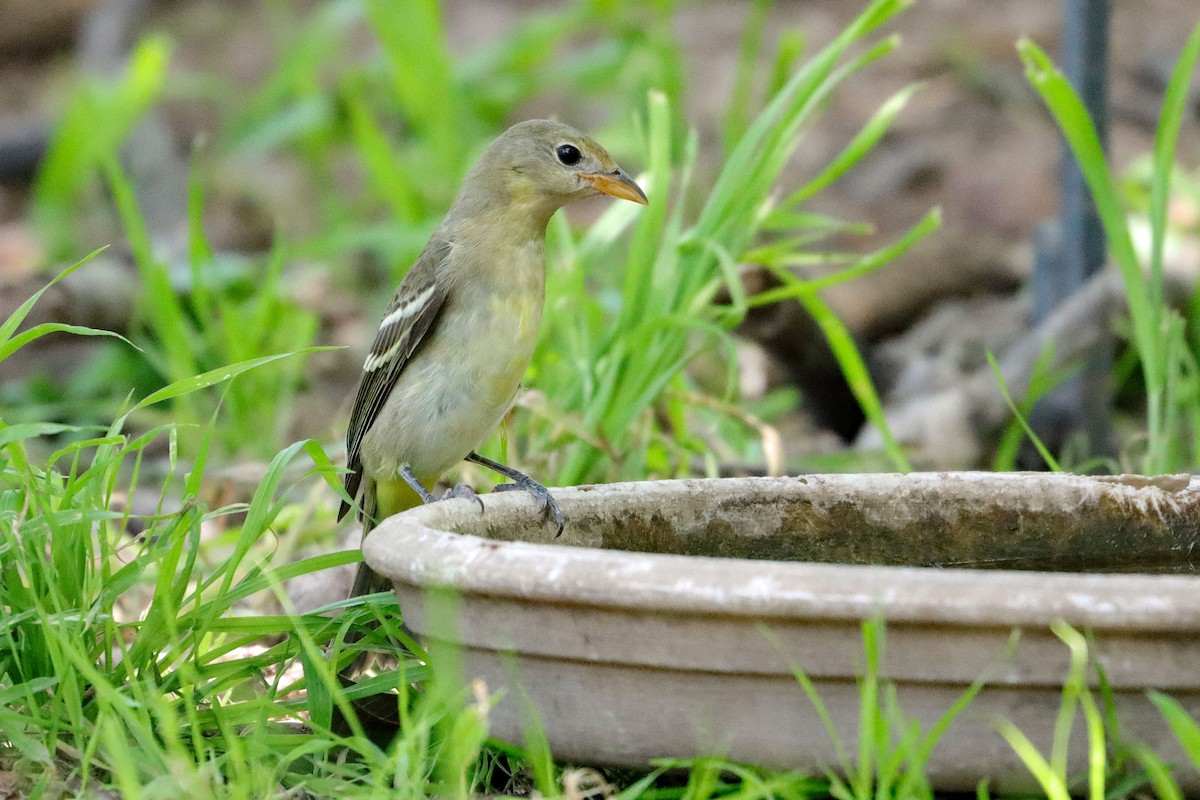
{"type": "Point", "coordinates": [568, 154]}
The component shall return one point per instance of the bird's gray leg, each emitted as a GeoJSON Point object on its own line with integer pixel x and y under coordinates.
{"type": "Point", "coordinates": [460, 490]}
{"type": "Point", "coordinates": [548, 505]}
{"type": "Point", "coordinates": [417, 486]}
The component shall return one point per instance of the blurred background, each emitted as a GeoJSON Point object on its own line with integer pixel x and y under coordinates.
{"type": "Point", "coordinates": [264, 172]}
{"type": "Point", "coordinates": [205, 207]}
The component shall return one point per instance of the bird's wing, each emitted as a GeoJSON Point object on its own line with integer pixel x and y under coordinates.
{"type": "Point", "coordinates": [408, 318]}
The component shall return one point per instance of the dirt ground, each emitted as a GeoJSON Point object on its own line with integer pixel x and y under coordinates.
{"type": "Point", "coordinates": [975, 140]}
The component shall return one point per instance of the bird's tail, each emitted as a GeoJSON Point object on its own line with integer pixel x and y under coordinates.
{"type": "Point", "coordinates": [380, 499]}
{"type": "Point", "coordinates": [368, 581]}
{"type": "Point", "coordinates": [373, 711]}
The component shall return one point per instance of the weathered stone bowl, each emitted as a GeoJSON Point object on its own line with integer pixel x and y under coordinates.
{"type": "Point", "coordinates": [670, 616]}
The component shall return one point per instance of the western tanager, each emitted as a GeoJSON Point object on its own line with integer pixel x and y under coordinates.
{"type": "Point", "coordinates": [459, 333]}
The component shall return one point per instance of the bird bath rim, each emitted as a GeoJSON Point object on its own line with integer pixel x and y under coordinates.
{"type": "Point", "coordinates": [417, 547]}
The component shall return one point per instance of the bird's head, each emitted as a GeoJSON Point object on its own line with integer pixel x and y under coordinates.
{"type": "Point", "coordinates": [551, 164]}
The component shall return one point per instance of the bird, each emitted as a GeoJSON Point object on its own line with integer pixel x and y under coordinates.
{"type": "Point", "coordinates": [458, 334]}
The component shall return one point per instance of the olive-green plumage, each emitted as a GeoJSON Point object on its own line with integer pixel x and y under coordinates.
{"type": "Point", "coordinates": [459, 333]}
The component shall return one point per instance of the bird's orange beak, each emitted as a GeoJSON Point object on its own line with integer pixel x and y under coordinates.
{"type": "Point", "coordinates": [616, 184]}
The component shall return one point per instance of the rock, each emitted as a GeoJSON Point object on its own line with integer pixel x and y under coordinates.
{"type": "Point", "coordinates": [40, 24]}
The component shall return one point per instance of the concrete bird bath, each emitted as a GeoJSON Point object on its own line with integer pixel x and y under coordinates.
{"type": "Point", "coordinates": [668, 618]}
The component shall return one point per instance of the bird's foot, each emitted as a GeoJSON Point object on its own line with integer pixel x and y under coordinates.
{"type": "Point", "coordinates": [464, 492]}
{"type": "Point", "coordinates": [547, 505]}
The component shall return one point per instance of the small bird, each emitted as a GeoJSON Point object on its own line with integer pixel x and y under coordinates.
{"type": "Point", "coordinates": [459, 332]}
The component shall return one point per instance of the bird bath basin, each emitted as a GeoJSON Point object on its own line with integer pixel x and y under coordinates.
{"type": "Point", "coordinates": [668, 619]}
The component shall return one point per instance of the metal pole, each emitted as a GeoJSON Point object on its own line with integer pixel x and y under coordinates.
{"type": "Point", "coordinates": [1073, 249]}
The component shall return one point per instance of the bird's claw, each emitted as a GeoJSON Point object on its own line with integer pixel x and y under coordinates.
{"type": "Point", "coordinates": [464, 492]}
{"type": "Point", "coordinates": [547, 505]}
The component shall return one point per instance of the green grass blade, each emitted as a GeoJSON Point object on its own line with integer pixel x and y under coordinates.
{"type": "Point", "coordinates": [1145, 307]}
{"type": "Point", "coordinates": [161, 302]}
{"type": "Point", "coordinates": [749, 47]}
{"type": "Point", "coordinates": [1166, 136]}
{"type": "Point", "coordinates": [17, 317]}
{"type": "Point", "coordinates": [414, 41]}
{"type": "Point", "coordinates": [215, 376]}
{"type": "Point", "coordinates": [1053, 785]}
{"type": "Point", "coordinates": [98, 120]}
{"type": "Point", "coordinates": [1165, 787]}
{"type": "Point", "coordinates": [389, 180]}
{"type": "Point", "coordinates": [1183, 726]}
{"type": "Point", "coordinates": [1043, 451]}
{"type": "Point", "coordinates": [851, 363]}
{"type": "Point", "coordinates": [38, 331]}
{"type": "Point", "coordinates": [862, 144]}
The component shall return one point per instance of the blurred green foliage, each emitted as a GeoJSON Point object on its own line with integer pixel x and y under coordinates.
{"type": "Point", "coordinates": [408, 118]}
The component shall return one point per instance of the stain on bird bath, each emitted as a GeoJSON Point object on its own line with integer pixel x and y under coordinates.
{"type": "Point", "coordinates": [668, 619]}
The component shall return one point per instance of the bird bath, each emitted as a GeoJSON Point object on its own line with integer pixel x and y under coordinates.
{"type": "Point", "coordinates": [669, 618]}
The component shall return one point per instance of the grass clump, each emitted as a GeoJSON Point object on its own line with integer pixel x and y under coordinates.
{"type": "Point", "coordinates": [1157, 331]}
{"type": "Point", "coordinates": [614, 385]}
